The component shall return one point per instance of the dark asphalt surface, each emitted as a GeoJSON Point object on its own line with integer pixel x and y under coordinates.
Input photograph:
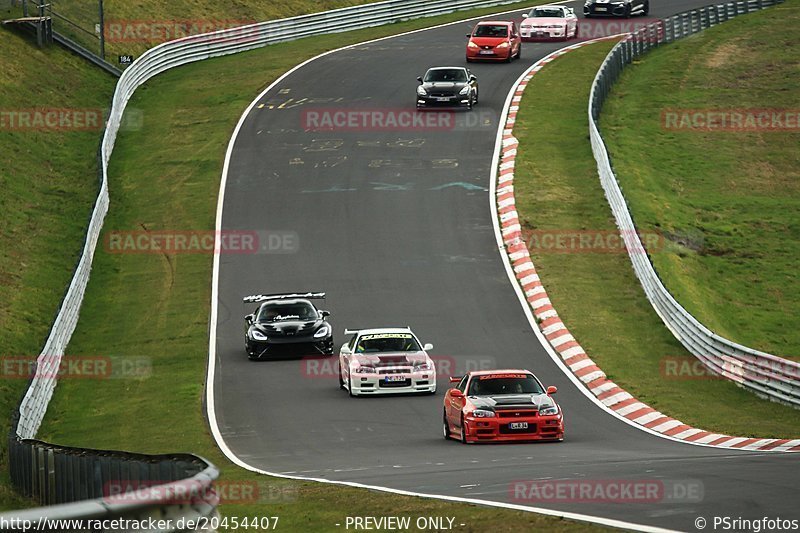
{"type": "Point", "coordinates": [396, 227]}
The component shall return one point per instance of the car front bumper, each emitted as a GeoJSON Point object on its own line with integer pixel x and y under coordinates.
{"type": "Point", "coordinates": [441, 101]}
{"type": "Point", "coordinates": [291, 346]}
{"type": "Point", "coordinates": [492, 55]}
{"type": "Point", "coordinates": [375, 384]}
{"type": "Point", "coordinates": [543, 34]}
{"type": "Point", "coordinates": [497, 429]}
{"type": "Point", "coordinates": [617, 9]}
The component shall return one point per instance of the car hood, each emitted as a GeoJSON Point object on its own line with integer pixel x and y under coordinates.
{"type": "Point", "coordinates": [508, 401]}
{"type": "Point", "coordinates": [488, 41]}
{"type": "Point", "coordinates": [387, 359]}
{"type": "Point", "coordinates": [544, 21]}
{"type": "Point", "coordinates": [444, 85]}
{"type": "Point", "coordinates": [289, 327]}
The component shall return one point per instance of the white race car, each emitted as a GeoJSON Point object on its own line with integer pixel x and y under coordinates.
{"type": "Point", "coordinates": [385, 361]}
{"type": "Point", "coordinates": [549, 22]}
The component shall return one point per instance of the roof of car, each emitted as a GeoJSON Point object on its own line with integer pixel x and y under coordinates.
{"type": "Point", "coordinates": [447, 68]}
{"type": "Point", "coordinates": [495, 22]}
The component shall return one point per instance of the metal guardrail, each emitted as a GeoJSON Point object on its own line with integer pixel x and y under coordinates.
{"type": "Point", "coordinates": [33, 463]}
{"type": "Point", "coordinates": [767, 375]}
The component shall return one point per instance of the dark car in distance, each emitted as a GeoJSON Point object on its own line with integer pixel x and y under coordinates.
{"type": "Point", "coordinates": [287, 324]}
{"type": "Point", "coordinates": [616, 8]}
{"type": "Point", "coordinates": [447, 86]}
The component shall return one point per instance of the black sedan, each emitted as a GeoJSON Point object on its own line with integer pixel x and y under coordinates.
{"type": "Point", "coordinates": [616, 8]}
{"type": "Point", "coordinates": [447, 86]}
{"type": "Point", "coordinates": [287, 324]}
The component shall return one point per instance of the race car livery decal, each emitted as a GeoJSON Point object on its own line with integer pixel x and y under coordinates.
{"type": "Point", "coordinates": [386, 336]}
{"type": "Point", "coordinates": [503, 376]}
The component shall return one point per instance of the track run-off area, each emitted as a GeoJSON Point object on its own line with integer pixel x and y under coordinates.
{"type": "Point", "coordinates": [396, 227]}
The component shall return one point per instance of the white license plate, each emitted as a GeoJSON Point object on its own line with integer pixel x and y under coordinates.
{"type": "Point", "coordinates": [486, 52]}
{"type": "Point", "coordinates": [518, 425]}
{"type": "Point", "coordinates": [397, 377]}
{"type": "Point", "coordinates": [601, 9]}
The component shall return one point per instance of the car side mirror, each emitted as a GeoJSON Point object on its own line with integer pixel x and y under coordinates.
{"type": "Point", "coordinates": [419, 79]}
{"type": "Point", "coordinates": [427, 347]}
{"type": "Point", "coordinates": [249, 318]}
{"type": "Point", "coordinates": [324, 314]}
{"type": "Point", "coordinates": [346, 350]}
{"type": "Point", "coordinates": [469, 35]}
{"type": "Point", "coordinates": [455, 379]}
{"type": "Point", "coordinates": [524, 15]}
{"type": "Point", "coordinates": [473, 78]}
{"type": "Point", "coordinates": [552, 390]}
{"type": "Point", "coordinates": [456, 393]}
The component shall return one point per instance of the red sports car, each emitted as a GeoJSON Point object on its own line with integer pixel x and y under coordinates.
{"type": "Point", "coordinates": [501, 405]}
{"type": "Point", "coordinates": [495, 41]}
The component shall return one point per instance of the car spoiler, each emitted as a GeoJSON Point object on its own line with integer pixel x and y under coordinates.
{"type": "Point", "coordinates": [257, 298]}
{"type": "Point", "coordinates": [349, 331]}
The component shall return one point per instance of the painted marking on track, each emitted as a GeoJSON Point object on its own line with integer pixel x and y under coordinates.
{"type": "Point", "coordinates": [371, 144]}
{"type": "Point", "coordinates": [463, 184]}
{"type": "Point", "coordinates": [406, 143]}
{"type": "Point", "coordinates": [380, 186]}
{"type": "Point", "coordinates": [335, 188]}
{"type": "Point", "coordinates": [324, 145]}
{"type": "Point", "coordinates": [261, 106]}
{"type": "Point", "coordinates": [296, 161]}
{"type": "Point", "coordinates": [444, 163]}
{"type": "Point", "coordinates": [331, 162]}
{"type": "Point", "coordinates": [284, 91]}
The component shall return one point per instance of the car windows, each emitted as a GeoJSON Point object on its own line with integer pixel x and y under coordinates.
{"type": "Point", "coordinates": [462, 385]}
{"type": "Point", "coordinates": [546, 13]}
{"type": "Point", "coordinates": [279, 311]}
{"type": "Point", "coordinates": [443, 74]}
{"type": "Point", "coordinates": [387, 342]}
{"type": "Point", "coordinates": [489, 385]}
{"type": "Point", "coordinates": [487, 30]}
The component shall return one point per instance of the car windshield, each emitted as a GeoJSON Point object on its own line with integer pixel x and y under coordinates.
{"type": "Point", "coordinates": [490, 30]}
{"type": "Point", "coordinates": [546, 12]}
{"type": "Point", "coordinates": [278, 311]}
{"type": "Point", "coordinates": [491, 385]}
{"type": "Point", "coordinates": [446, 74]}
{"type": "Point", "coordinates": [387, 342]}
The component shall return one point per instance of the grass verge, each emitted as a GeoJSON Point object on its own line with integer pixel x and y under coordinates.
{"type": "Point", "coordinates": [727, 202]}
{"type": "Point", "coordinates": [157, 307]}
{"type": "Point", "coordinates": [597, 295]}
{"type": "Point", "coordinates": [48, 184]}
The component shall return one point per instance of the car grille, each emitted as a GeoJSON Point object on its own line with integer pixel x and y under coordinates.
{"type": "Point", "coordinates": [287, 332]}
{"type": "Point", "coordinates": [440, 94]}
{"type": "Point", "coordinates": [516, 413]}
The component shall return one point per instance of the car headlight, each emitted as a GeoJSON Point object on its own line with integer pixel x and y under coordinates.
{"type": "Point", "coordinates": [472, 45]}
{"type": "Point", "coordinates": [257, 335]}
{"type": "Point", "coordinates": [525, 26]}
{"type": "Point", "coordinates": [482, 413]}
{"type": "Point", "coordinates": [547, 411]}
{"type": "Point", "coordinates": [423, 367]}
{"type": "Point", "coordinates": [365, 370]}
{"type": "Point", "coordinates": [322, 332]}
{"type": "Point", "coordinates": [421, 91]}
{"type": "Point", "coordinates": [464, 91]}
{"type": "Point", "coordinates": [502, 45]}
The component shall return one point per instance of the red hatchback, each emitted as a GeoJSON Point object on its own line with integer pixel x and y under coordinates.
{"type": "Point", "coordinates": [494, 41]}
{"type": "Point", "coordinates": [501, 405]}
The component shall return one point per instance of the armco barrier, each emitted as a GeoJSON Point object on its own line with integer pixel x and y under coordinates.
{"type": "Point", "coordinates": [767, 375]}
{"type": "Point", "coordinates": [39, 458]}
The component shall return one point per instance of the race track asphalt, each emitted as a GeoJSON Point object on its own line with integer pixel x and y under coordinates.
{"type": "Point", "coordinates": [396, 227]}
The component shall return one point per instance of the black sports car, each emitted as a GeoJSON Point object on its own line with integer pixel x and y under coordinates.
{"type": "Point", "coordinates": [447, 86]}
{"type": "Point", "coordinates": [287, 324]}
{"type": "Point", "coordinates": [616, 8]}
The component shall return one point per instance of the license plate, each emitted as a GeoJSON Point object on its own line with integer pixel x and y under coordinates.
{"type": "Point", "coordinates": [539, 34]}
{"type": "Point", "coordinates": [441, 99]}
{"type": "Point", "coordinates": [486, 52]}
{"type": "Point", "coordinates": [518, 425]}
{"type": "Point", "coordinates": [397, 377]}
{"type": "Point", "coordinates": [601, 9]}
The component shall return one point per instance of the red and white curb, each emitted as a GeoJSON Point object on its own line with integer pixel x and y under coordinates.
{"type": "Point", "coordinates": [573, 355]}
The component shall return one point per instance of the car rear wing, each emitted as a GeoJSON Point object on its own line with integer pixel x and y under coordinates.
{"type": "Point", "coordinates": [349, 331]}
{"type": "Point", "coordinates": [258, 298]}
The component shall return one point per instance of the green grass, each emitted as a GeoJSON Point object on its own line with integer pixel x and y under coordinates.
{"type": "Point", "coordinates": [161, 303]}
{"type": "Point", "coordinates": [727, 202]}
{"type": "Point", "coordinates": [597, 295]}
{"type": "Point", "coordinates": [48, 183]}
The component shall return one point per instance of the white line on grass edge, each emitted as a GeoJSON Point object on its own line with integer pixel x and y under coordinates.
{"type": "Point", "coordinates": [212, 348]}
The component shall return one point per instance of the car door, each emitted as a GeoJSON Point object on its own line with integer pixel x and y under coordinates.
{"type": "Point", "coordinates": [454, 405]}
{"type": "Point", "coordinates": [344, 358]}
